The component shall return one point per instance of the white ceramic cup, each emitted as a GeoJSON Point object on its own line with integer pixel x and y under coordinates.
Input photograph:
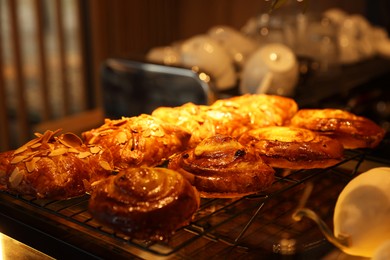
{"type": "Point", "coordinates": [211, 57]}
{"type": "Point", "coordinates": [272, 69]}
{"type": "Point", "coordinates": [167, 55]}
{"type": "Point", "coordinates": [237, 44]}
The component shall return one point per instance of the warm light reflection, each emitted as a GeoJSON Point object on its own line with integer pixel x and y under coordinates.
{"type": "Point", "coordinates": [273, 56]}
{"type": "Point", "coordinates": [264, 31]}
{"type": "Point", "coordinates": [1, 247]}
{"type": "Point", "coordinates": [203, 76]}
{"type": "Point", "coordinates": [209, 48]}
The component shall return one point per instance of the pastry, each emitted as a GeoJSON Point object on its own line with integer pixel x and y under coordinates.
{"type": "Point", "coordinates": [138, 141]}
{"type": "Point", "coordinates": [144, 203]}
{"type": "Point", "coordinates": [351, 130]}
{"type": "Point", "coordinates": [263, 109]}
{"type": "Point", "coordinates": [232, 116]}
{"type": "Point", "coordinates": [203, 121]}
{"type": "Point", "coordinates": [5, 159]}
{"type": "Point", "coordinates": [293, 148]}
{"type": "Point", "coordinates": [221, 167]}
{"type": "Point", "coordinates": [54, 167]}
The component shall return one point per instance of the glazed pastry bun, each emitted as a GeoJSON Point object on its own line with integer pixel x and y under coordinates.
{"type": "Point", "coordinates": [144, 203]}
{"type": "Point", "coordinates": [351, 130]}
{"type": "Point", "coordinates": [263, 109]}
{"type": "Point", "coordinates": [53, 167]}
{"type": "Point", "coordinates": [221, 167]}
{"type": "Point", "coordinates": [204, 121]}
{"type": "Point", "coordinates": [293, 148]}
{"type": "Point", "coordinates": [232, 116]}
{"type": "Point", "coordinates": [138, 141]}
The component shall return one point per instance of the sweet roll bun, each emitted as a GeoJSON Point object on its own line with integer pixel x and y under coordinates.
{"type": "Point", "coordinates": [144, 203]}
{"type": "Point", "coordinates": [220, 167]}
{"type": "Point", "coordinates": [204, 121]}
{"type": "Point", "coordinates": [293, 148]}
{"type": "Point", "coordinates": [263, 109]}
{"type": "Point", "coordinates": [351, 130]}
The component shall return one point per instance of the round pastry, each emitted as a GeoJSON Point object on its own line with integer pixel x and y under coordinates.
{"type": "Point", "coordinates": [5, 159]}
{"type": "Point", "coordinates": [351, 130]}
{"type": "Point", "coordinates": [293, 148]}
{"type": "Point", "coordinates": [203, 121]}
{"type": "Point", "coordinates": [144, 203]}
{"type": "Point", "coordinates": [221, 167]}
{"type": "Point", "coordinates": [263, 109]}
{"type": "Point", "coordinates": [138, 141]}
{"type": "Point", "coordinates": [55, 167]}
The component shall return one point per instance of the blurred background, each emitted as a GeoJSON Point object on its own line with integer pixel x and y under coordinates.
{"type": "Point", "coordinates": [51, 51]}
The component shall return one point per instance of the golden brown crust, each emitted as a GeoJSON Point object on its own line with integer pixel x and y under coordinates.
{"type": "Point", "coordinates": [232, 116]}
{"type": "Point", "coordinates": [144, 203]}
{"type": "Point", "coordinates": [55, 167]}
{"type": "Point", "coordinates": [351, 130]}
{"type": "Point", "coordinates": [5, 159]}
{"type": "Point", "coordinates": [293, 148]}
{"type": "Point", "coordinates": [219, 166]}
{"type": "Point", "coordinates": [203, 121]}
{"type": "Point", "coordinates": [138, 141]}
{"type": "Point", "coordinates": [263, 110]}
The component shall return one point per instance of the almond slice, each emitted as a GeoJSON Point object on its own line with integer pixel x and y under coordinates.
{"type": "Point", "coordinates": [16, 177]}
{"type": "Point", "coordinates": [18, 159]}
{"type": "Point", "coordinates": [70, 140]}
{"type": "Point", "coordinates": [121, 138]}
{"type": "Point", "coordinates": [57, 152]}
{"type": "Point", "coordinates": [34, 146]}
{"type": "Point", "coordinates": [105, 165]}
{"type": "Point", "coordinates": [73, 150]}
{"type": "Point", "coordinates": [94, 149]}
{"type": "Point", "coordinates": [21, 149]}
{"type": "Point", "coordinates": [83, 155]}
{"type": "Point", "coordinates": [30, 156]}
{"type": "Point", "coordinates": [30, 165]}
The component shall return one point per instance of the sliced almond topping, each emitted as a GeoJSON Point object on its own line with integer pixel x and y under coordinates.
{"type": "Point", "coordinates": [34, 146]}
{"type": "Point", "coordinates": [121, 138]}
{"type": "Point", "coordinates": [47, 136]}
{"type": "Point", "coordinates": [119, 122]}
{"type": "Point", "coordinates": [57, 152]}
{"type": "Point", "coordinates": [30, 165]}
{"type": "Point", "coordinates": [33, 141]}
{"type": "Point", "coordinates": [39, 135]}
{"type": "Point", "coordinates": [30, 156]}
{"type": "Point", "coordinates": [94, 149]}
{"type": "Point", "coordinates": [70, 140]}
{"type": "Point", "coordinates": [83, 155]}
{"type": "Point", "coordinates": [105, 132]}
{"type": "Point", "coordinates": [21, 149]}
{"type": "Point", "coordinates": [18, 159]}
{"type": "Point", "coordinates": [73, 150]}
{"type": "Point", "coordinates": [44, 152]}
{"type": "Point", "coordinates": [105, 165]}
{"type": "Point", "coordinates": [16, 177]}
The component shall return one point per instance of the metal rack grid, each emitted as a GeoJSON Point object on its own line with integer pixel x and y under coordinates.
{"type": "Point", "coordinates": [249, 225]}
